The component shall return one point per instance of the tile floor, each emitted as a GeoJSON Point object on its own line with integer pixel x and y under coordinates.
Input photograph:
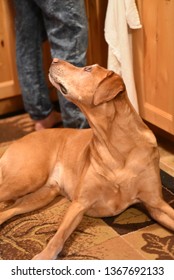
{"type": "Point", "coordinates": [166, 149]}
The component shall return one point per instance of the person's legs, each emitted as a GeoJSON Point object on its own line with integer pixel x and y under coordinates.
{"type": "Point", "coordinates": [29, 37]}
{"type": "Point", "coordinates": [66, 26]}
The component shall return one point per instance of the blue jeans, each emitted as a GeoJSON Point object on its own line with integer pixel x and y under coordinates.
{"type": "Point", "coordinates": [64, 23]}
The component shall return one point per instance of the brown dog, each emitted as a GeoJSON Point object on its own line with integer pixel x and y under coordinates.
{"type": "Point", "coordinates": [102, 170]}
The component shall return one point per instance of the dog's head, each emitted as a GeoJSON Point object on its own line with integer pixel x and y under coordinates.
{"type": "Point", "coordinates": [90, 85]}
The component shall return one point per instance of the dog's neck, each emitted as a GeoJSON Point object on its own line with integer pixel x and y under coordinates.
{"type": "Point", "coordinates": [114, 122]}
{"type": "Point", "coordinates": [114, 125]}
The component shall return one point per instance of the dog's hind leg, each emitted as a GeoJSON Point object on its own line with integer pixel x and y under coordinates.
{"type": "Point", "coordinates": [30, 202]}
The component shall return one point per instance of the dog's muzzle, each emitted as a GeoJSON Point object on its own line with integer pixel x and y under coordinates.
{"type": "Point", "coordinates": [62, 89]}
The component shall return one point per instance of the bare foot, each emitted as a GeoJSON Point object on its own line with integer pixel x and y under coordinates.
{"type": "Point", "coordinates": [53, 118]}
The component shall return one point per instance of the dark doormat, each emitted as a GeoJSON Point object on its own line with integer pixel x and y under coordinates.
{"type": "Point", "coordinates": [15, 127]}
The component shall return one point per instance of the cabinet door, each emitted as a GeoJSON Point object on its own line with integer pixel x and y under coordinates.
{"type": "Point", "coordinates": [9, 86]}
{"type": "Point", "coordinates": [97, 46]}
{"type": "Point", "coordinates": [153, 48]}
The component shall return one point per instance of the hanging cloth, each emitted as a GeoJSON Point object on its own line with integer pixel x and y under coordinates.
{"type": "Point", "coordinates": [121, 17]}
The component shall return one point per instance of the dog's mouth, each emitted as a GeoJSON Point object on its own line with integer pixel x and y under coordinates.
{"type": "Point", "coordinates": [58, 85]}
{"type": "Point", "coordinates": [62, 89]}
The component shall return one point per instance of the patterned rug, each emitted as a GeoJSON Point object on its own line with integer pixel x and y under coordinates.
{"type": "Point", "coordinates": [131, 235]}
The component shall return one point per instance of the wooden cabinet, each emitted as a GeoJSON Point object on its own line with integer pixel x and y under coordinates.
{"type": "Point", "coordinates": [10, 93]}
{"type": "Point", "coordinates": [9, 86]}
{"type": "Point", "coordinates": [8, 78]}
{"type": "Point", "coordinates": [153, 48]}
{"type": "Point", "coordinates": [97, 46]}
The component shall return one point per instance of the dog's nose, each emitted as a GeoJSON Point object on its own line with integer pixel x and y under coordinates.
{"type": "Point", "coordinates": [55, 60]}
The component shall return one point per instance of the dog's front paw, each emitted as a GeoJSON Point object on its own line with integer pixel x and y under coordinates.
{"type": "Point", "coordinates": [40, 257]}
{"type": "Point", "coordinates": [43, 256]}
{"type": "Point", "coordinates": [36, 257]}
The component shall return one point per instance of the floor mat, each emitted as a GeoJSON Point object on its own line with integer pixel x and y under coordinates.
{"type": "Point", "coordinates": [131, 235]}
{"type": "Point", "coordinates": [15, 127]}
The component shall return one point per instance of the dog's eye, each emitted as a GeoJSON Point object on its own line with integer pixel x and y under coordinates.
{"type": "Point", "coordinates": [88, 68]}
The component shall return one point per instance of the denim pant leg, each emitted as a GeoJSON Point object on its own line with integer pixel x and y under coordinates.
{"type": "Point", "coordinates": [66, 26]}
{"type": "Point", "coordinates": [29, 31]}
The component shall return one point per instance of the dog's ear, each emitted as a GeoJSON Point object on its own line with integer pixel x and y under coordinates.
{"type": "Point", "coordinates": [108, 88]}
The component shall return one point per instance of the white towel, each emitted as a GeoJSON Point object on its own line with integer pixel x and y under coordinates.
{"type": "Point", "coordinates": [132, 15]}
{"type": "Point", "coordinates": [122, 15]}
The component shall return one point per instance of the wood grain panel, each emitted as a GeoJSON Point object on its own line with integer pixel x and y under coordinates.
{"type": "Point", "coordinates": [153, 48]}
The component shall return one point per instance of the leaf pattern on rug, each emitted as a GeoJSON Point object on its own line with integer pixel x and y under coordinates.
{"type": "Point", "coordinates": [162, 246]}
{"type": "Point", "coordinates": [24, 236]}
